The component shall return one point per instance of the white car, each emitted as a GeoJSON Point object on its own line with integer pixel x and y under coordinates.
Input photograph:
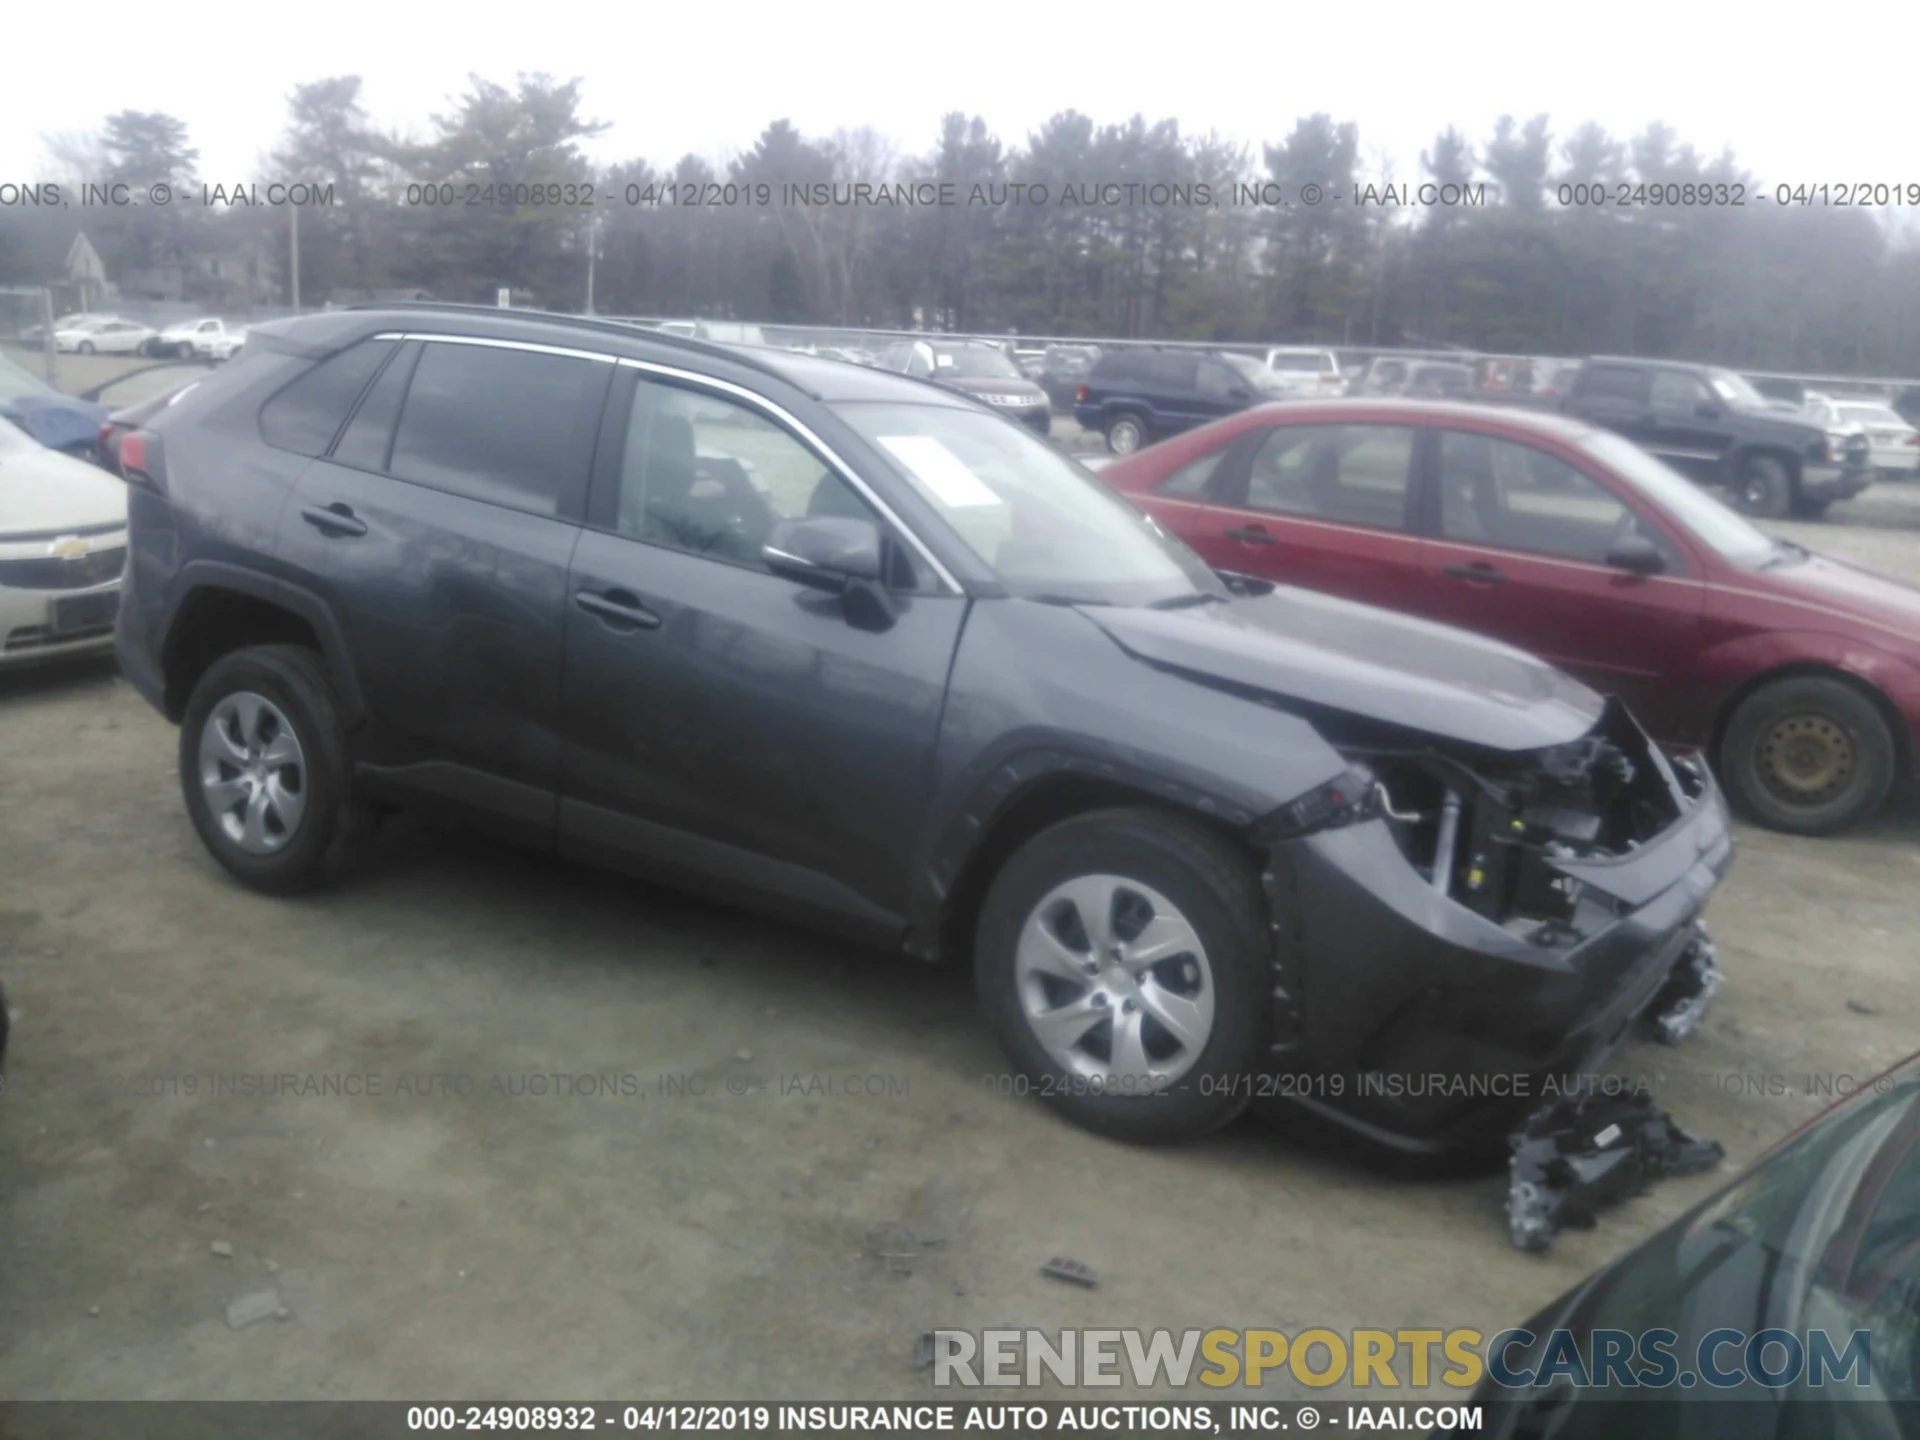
{"type": "Point", "coordinates": [1307, 373]}
{"type": "Point", "coordinates": [222, 347]}
{"type": "Point", "coordinates": [107, 337]}
{"type": "Point", "coordinates": [187, 337]}
{"type": "Point", "coordinates": [63, 546]}
{"type": "Point", "coordinates": [1893, 446]}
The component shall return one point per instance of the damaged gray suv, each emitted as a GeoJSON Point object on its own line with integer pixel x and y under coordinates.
{"type": "Point", "coordinates": [839, 644]}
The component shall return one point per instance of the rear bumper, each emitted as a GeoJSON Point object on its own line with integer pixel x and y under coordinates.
{"type": "Point", "coordinates": [1417, 1022]}
{"type": "Point", "coordinates": [1834, 482]}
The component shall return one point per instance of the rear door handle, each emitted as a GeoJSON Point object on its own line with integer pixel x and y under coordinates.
{"type": "Point", "coordinates": [334, 519]}
{"type": "Point", "coordinates": [1479, 571]}
{"type": "Point", "coordinates": [618, 608]}
{"type": "Point", "coordinates": [1250, 534]}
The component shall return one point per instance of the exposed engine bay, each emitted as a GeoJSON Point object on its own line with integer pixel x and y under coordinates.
{"type": "Point", "coordinates": [1486, 832]}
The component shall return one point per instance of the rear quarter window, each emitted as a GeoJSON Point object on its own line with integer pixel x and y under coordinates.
{"type": "Point", "coordinates": [306, 415]}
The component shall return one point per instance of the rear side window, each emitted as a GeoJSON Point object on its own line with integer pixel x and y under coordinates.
{"type": "Point", "coordinates": [1615, 382]}
{"type": "Point", "coordinates": [1175, 372]}
{"type": "Point", "coordinates": [306, 415]}
{"type": "Point", "coordinates": [370, 433]}
{"type": "Point", "coordinates": [1124, 366]}
{"type": "Point", "coordinates": [510, 427]}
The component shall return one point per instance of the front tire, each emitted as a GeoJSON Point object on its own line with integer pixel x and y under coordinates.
{"type": "Point", "coordinates": [265, 771]}
{"type": "Point", "coordinates": [85, 347]}
{"type": "Point", "coordinates": [1764, 488]}
{"type": "Point", "coordinates": [1807, 755]}
{"type": "Point", "coordinates": [1126, 433]}
{"type": "Point", "coordinates": [1121, 958]}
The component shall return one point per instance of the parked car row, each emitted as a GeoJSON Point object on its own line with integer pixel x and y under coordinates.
{"type": "Point", "coordinates": [207, 338]}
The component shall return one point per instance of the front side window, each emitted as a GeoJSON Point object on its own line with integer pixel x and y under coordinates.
{"type": "Point", "coordinates": [1736, 391]}
{"type": "Point", "coordinates": [975, 362]}
{"type": "Point", "coordinates": [510, 427]}
{"type": "Point", "coordinates": [1514, 497]}
{"type": "Point", "coordinates": [1350, 474]}
{"type": "Point", "coordinates": [712, 477]}
{"type": "Point", "coordinates": [1615, 382]}
{"type": "Point", "coordinates": [1045, 526]}
{"type": "Point", "coordinates": [1673, 390]}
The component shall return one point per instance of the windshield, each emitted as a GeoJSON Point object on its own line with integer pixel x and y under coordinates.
{"type": "Point", "coordinates": [14, 440]}
{"type": "Point", "coordinates": [19, 384]}
{"type": "Point", "coordinates": [1045, 526]}
{"type": "Point", "coordinates": [1735, 390]}
{"type": "Point", "coordinates": [974, 362]}
{"type": "Point", "coordinates": [1297, 360]}
{"type": "Point", "coordinates": [1704, 517]}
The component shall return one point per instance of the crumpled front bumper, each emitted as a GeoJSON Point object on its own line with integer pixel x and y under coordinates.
{"type": "Point", "coordinates": [1414, 1020]}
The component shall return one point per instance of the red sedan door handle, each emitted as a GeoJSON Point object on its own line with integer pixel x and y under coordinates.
{"type": "Point", "coordinates": [1479, 573]}
{"type": "Point", "coordinates": [1250, 534]}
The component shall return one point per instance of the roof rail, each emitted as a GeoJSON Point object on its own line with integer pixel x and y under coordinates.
{"type": "Point", "coordinates": [739, 355]}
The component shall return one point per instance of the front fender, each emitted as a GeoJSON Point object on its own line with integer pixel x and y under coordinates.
{"type": "Point", "coordinates": [1038, 693]}
{"type": "Point", "coordinates": [1723, 671]}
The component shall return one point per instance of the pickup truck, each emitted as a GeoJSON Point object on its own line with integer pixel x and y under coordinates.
{"type": "Point", "coordinates": [205, 339]}
{"type": "Point", "coordinates": [1714, 427]}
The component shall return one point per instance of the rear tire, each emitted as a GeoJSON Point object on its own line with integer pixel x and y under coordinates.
{"type": "Point", "coordinates": [265, 771]}
{"type": "Point", "coordinates": [1063, 961]}
{"type": "Point", "coordinates": [1126, 434]}
{"type": "Point", "coordinates": [1764, 488]}
{"type": "Point", "coordinates": [1807, 755]}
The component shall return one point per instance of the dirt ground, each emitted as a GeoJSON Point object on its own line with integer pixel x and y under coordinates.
{"type": "Point", "coordinates": [849, 1179]}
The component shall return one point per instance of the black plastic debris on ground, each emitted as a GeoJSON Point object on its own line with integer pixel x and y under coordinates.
{"type": "Point", "coordinates": [1676, 1012]}
{"type": "Point", "coordinates": [1071, 1271]}
{"type": "Point", "coordinates": [1578, 1155]}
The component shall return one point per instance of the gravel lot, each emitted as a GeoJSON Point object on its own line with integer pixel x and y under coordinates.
{"type": "Point", "coordinates": [535, 1238]}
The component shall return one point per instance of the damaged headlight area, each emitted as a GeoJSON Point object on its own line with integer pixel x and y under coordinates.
{"type": "Point", "coordinates": [1460, 932]}
{"type": "Point", "coordinates": [1489, 831]}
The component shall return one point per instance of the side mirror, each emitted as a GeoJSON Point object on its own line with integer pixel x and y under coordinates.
{"type": "Point", "coordinates": [1637, 555]}
{"type": "Point", "coordinates": [824, 552]}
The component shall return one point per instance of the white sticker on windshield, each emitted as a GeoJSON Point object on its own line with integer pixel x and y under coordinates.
{"type": "Point", "coordinates": [940, 470]}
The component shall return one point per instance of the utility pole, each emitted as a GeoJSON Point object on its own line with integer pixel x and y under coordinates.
{"type": "Point", "coordinates": [593, 245]}
{"type": "Point", "coordinates": [293, 248]}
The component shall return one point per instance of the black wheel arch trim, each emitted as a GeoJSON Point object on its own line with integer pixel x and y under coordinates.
{"type": "Point", "coordinates": [948, 873]}
{"type": "Point", "coordinates": [199, 575]}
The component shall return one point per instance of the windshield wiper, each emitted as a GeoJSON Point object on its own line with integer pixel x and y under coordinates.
{"type": "Point", "coordinates": [1181, 602]}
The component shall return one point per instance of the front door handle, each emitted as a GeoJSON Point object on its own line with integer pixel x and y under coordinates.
{"type": "Point", "coordinates": [1250, 534]}
{"type": "Point", "coordinates": [334, 519]}
{"type": "Point", "coordinates": [1479, 572]}
{"type": "Point", "coordinates": [619, 608]}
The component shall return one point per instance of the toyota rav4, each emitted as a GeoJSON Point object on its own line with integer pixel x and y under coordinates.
{"type": "Point", "coordinates": [838, 643]}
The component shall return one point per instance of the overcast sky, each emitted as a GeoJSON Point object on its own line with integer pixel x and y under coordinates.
{"type": "Point", "coordinates": [1798, 102]}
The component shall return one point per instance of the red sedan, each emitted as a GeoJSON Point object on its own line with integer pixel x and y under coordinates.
{"type": "Point", "coordinates": [1800, 675]}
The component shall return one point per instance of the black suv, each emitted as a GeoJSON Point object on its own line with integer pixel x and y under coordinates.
{"type": "Point", "coordinates": [838, 643]}
{"type": "Point", "coordinates": [1135, 397]}
{"type": "Point", "coordinates": [1714, 427]}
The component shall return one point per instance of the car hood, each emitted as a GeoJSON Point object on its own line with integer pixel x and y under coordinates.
{"type": "Point", "coordinates": [43, 493]}
{"type": "Point", "coordinates": [1334, 654]}
{"type": "Point", "coordinates": [56, 421]}
{"type": "Point", "coordinates": [1863, 595]}
{"type": "Point", "coordinates": [987, 386]}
